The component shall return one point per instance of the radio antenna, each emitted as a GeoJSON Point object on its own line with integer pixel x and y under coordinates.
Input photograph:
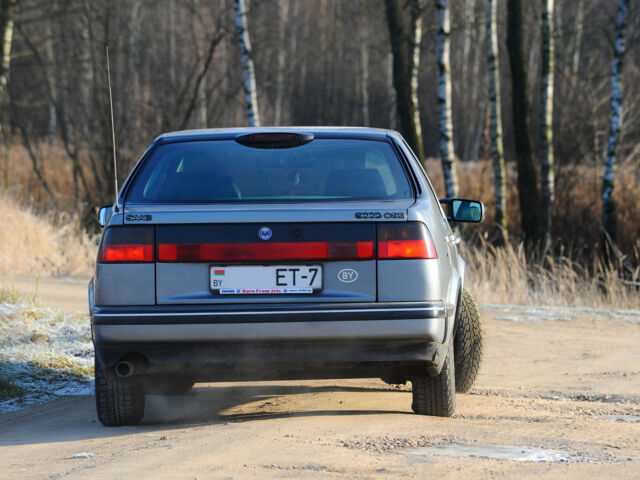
{"type": "Point", "coordinates": [113, 134]}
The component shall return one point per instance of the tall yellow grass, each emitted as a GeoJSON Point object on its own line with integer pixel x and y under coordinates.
{"type": "Point", "coordinates": [503, 275]}
{"type": "Point", "coordinates": [30, 245]}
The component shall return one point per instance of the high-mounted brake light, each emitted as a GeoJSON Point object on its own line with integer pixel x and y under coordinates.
{"type": "Point", "coordinates": [127, 245]}
{"type": "Point", "coordinates": [405, 240]}
{"type": "Point", "coordinates": [276, 251]}
{"type": "Point", "coordinates": [274, 139]}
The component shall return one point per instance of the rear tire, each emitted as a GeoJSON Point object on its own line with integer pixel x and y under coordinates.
{"type": "Point", "coordinates": [467, 343]}
{"type": "Point", "coordinates": [436, 395]}
{"type": "Point", "coordinates": [118, 401]}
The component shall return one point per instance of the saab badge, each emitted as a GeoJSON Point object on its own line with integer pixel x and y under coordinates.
{"type": "Point", "coordinates": [347, 275]}
{"type": "Point", "coordinates": [265, 233]}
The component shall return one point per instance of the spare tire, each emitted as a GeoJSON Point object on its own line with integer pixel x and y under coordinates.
{"type": "Point", "coordinates": [467, 343]}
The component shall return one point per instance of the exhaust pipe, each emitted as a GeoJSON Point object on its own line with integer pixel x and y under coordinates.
{"type": "Point", "coordinates": [124, 369]}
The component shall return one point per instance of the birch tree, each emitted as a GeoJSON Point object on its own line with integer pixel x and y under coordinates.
{"type": "Point", "coordinates": [364, 73]}
{"type": "Point", "coordinates": [608, 203]}
{"type": "Point", "coordinates": [445, 126]}
{"type": "Point", "coordinates": [495, 123]}
{"type": "Point", "coordinates": [7, 12]}
{"type": "Point", "coordinates": [283, 11]}
{"type": "Point", "coordinates": [248, 70]}
{"type": "Point", "coordinates": [527, 177]}
{"type": "Point", "coordinates": [406, 61]}
{"type": "Point", "coordinates": [547, 183]}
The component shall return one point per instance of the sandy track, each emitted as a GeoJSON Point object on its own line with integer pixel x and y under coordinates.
{"type": "Point", "coordinates": [569, 387]}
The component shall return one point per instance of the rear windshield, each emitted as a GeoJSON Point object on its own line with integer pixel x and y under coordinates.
{"type": "Point", "coordinates": [225, 171]}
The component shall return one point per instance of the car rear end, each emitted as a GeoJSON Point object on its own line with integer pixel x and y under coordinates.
{"type": "Point", "coordinates": [280, 254]}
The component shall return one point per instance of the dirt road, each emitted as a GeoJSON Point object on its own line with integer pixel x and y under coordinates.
{"type": "Point", "coordinates": [67, 294]}
{"type": "Point", "coordinates": [556, 385]}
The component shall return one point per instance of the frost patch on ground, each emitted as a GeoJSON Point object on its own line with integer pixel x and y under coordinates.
{"type": "Point", "coordinates": [497, 452]}
{"type": "Point", "coordinates": [526, 313]}
{"type": "Point", "coordinates": [43, 353]}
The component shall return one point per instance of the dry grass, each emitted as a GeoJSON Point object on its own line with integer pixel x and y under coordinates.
{"type": "Point", "coordinates": [29, 245]}
{"type": "Point", "coordinates": [503, 275]}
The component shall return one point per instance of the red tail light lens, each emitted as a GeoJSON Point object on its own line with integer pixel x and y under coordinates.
{"type": "Point", "coordinates": [405, 240]}
{"type": "Point", "coordinates": [237, 252]}
{"type": "Point", "coordinates": [127, 245]}
{"type": "Point", "coordinates": [127, 253]}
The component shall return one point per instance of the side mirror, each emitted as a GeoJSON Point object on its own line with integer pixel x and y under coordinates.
{"type": "Point", "coordinates": [461, 210]}
{"type": "Point", "coordinates": [103, 214]}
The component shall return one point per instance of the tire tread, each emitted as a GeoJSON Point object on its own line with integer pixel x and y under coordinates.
{"type": "Point", "coordinates": [435, 395]}
{"type": "Point", "coordinates": [118, 402]}
{"type": "Point", "coordinates": [468, 343]}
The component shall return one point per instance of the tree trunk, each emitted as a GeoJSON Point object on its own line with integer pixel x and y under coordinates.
{"type": "Point", "coordinates": [547, 184]}
{"type": "Point", "coordinates": [392, 106]}
{"type": "Point", "coordinates": [495, 124]}
{"type": "Point", "coordinates": [415, 31]}
{"type": "Point", "coordinates": [403, 59]}
{"type": "Point", "coordinates": [282, 50]}
{"type": "Point", "coordinates": [527, 176]}
{"type": "Point", "coordinates": [364, 72]}
{"type": "Point", "coordinates": [249, 74]}
{"type": "Point", "coordinates": [445, 126]}
{"type": "Point", "coordinates": [608, 203]}
{"type": "Point", "coordinates": [7, 12]}
{"type": "Point", "coordinates": [577, 43]}
{"type": "Point", "coordinates": [52, 123]}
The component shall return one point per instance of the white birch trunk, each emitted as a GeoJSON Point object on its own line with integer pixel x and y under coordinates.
{"type": "Point", "coordinates": [7, 37]}
{"type": "Point", "coordinates": [203, 104]}
{"type": "Point", "coordinates": [130, 117]}
{"type": "Point", "coordinates": [445, 125]}
{"type": "Point", "coordinates": [172, 43]}
{"type": "Point", "coordinates": [364, 74]}
{"type": "Point", "coordinates": [52, 126]}
{"type": "Point", "coordinates": [414, 62]}
{"type": "Point", "coordinates": [469, 34]}
{"type": "Point", "coordinates": [477, 119]}
{"type": "Point", "coordinates": [575, 68]}
{"type": "Point", "coordinates": [391, 92]}
{"type": "Point", "coordinates": [250, 94]}
{"type": "Point", "coordinates": [608, 204]}
{"type": "Point", "coordinates": [282, 49]}
{"type": "Point", "coordinates": [495, 122]}
{"type": "Point", "coordinates": [547, 182]}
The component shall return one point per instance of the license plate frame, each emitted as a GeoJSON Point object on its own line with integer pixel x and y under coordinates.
{"type": "Point", "coordinates": [255, 279]}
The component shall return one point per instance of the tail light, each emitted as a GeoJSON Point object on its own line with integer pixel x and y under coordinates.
{"type": "Point", "coordinates": [405, 240]}
{"type": "Point", "coordinates": [202, 252]}
{"type": "Point", "coordinates": [127, 245]}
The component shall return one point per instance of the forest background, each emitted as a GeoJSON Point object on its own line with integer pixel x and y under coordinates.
{"type": "Point", "coordinates": [465, 81]}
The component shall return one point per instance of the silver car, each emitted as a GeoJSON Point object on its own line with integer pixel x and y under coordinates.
{"type": "Point", "coordinates": [281, 253]}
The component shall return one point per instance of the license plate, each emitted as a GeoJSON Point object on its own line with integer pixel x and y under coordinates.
{"type": "Point", "coordinates": [265, 280]}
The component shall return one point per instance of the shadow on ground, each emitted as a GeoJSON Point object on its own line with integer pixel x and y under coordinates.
{"type": "Point", "coordinates": [208, 404]}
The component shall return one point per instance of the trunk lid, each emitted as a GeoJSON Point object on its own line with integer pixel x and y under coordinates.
{"type": "Point", "coordinates": [201, 247]}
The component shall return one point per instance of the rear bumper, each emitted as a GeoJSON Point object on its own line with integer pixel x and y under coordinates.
{"type": "Point", "coordinates": [258, 323]}
{"type": "Point", "coordinates": [307, 341]}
